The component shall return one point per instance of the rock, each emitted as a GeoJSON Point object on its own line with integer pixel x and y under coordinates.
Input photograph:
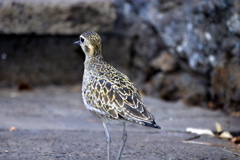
{"type": "Point", "coordinates": [234, 23]}
{"type": "Point", "coordinates": [181, 85]}
{"type": "Point", "coordinates": [219, 82]}
{"type": "Point", "coordinates": [197, 33]}
{"type": "Point", "coordinates": [233, 96]}
{"type": "Point", "coordinates": [225, 81]}
{"type": "Point", "coordinates": [164, 62]}
{"type": "Point", "coordinates": [194, 30]}
{"type": "Point", "coordinates": [142, 49]}
{"type": "Point", "coordinates": [56, 16]}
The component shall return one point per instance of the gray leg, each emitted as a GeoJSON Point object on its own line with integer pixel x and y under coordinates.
{"type": "Point", "coordinates": [124, 138]}
{"type": "Point", "coordinates": [108, 140]}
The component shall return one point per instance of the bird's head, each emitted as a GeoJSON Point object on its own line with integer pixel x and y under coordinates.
{"type": "Point", "coordinates": [90, 43]}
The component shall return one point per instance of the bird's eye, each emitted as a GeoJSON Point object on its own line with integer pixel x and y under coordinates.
{"type": "Point", "coordinates": [81, 39]}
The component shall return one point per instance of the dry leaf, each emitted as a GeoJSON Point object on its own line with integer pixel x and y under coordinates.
{"type": "Point", "coordinates": [211, 104]}
{"type": "Point", "coordinates": [225, 135]}
{"type": "Point", "coordinates": [218, 127]}
{"type": "Point", "coordinates": [11, 129]}
{"type": "Point", "coordinates": [24, 86]}
{"type": "Point", "coordinates": [236, 139]}
{"type": "Point", "coordinates": [200, 131]}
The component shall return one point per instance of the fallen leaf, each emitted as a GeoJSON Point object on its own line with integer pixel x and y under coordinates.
{"type": "Point", "coordinates": [24, 86]}
{"type": "Point", "coordinates": [211, 104]}
{"type": "Point", "coordinates": [225, 135]}
{"type": "Point", "coordinates": [236, 139]}
{"type": "Point", "coordinates": [200, 131]}
{"type": "Point", "coordinates": [218, 127]}
{"type": "Point", "coordinates": [11, 129]}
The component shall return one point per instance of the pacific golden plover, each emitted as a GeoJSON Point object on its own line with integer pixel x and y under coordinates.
{"type": "Point", "coordinates": [109, 94]}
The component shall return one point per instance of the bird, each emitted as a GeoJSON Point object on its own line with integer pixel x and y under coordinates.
{"type": "Point", "coordinates": [108, 93]}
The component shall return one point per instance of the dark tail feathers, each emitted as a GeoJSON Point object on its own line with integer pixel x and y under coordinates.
{"type": "Point", "coordinates": [153, 124]}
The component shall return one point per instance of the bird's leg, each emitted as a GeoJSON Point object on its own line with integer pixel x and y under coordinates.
{"type": "Point", "coordinates": [108, 140]}
{"type": "Point", "coordinates": [124, 138]}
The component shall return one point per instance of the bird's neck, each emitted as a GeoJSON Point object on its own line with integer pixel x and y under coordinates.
{"type": "Point", "coordinates": [91, 60]}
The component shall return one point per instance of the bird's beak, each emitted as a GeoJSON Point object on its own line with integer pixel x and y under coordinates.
{"type": "Point", "coordinates": [77, 42]}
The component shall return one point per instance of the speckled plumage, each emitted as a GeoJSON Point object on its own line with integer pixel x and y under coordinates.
{"type": "Point", "coordinates": [107, 93]}
{"type": "Point", "coordinates": [111, 93]}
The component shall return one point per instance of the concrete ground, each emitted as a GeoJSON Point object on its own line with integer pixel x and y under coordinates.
{"type": "Point", "coordinates": [52, 123]}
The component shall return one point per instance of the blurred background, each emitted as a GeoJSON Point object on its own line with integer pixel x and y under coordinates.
{"type": "Point", "coordinates": [174, 50]}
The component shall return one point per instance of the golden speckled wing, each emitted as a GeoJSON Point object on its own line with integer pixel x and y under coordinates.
{"type": "Point", "coordinates": [114, 94]}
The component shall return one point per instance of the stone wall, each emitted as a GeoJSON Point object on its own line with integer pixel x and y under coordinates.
{"type": "Point", "coordinates": [55, 16]}
{"type": "Point", "coordinates": [187, 50]}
